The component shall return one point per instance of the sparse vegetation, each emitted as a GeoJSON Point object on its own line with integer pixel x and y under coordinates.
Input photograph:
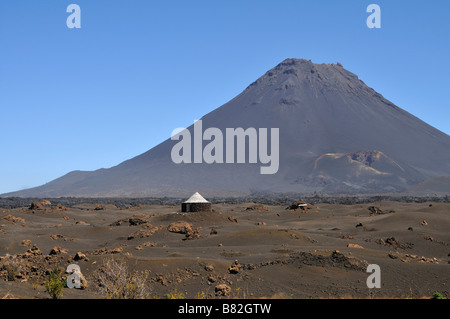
{"type": "Point", "coordinates": [36, 284]}
{"type": "Point", "coordinates": [174, 294]}
{"type": "Point", "coordinates": [55, 283]}
{"type": "Point", "coordinates": [200, 295]}
{"type": "Point", "coordinates": [410, 295]}
{"type": "Point", "coordinates": [437, 295]}
{"type": "Point", "coordinates": [116, 282]}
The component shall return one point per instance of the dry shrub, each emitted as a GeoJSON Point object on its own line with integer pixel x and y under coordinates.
{"type": "Point", "coordinates": [12, 265]}
{"type": "Point", "coordinates": [116, 282]}
{"type": "Point", "coordinates": [8, 296]}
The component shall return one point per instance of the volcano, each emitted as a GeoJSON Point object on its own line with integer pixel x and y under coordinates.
{"type": "Point", "coordinates": [336, 135]}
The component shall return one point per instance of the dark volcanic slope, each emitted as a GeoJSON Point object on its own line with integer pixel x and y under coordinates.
{"type": "Point", "coordinates": [437, 185]}
{"type": "Point", "coordinates": [336, 135]}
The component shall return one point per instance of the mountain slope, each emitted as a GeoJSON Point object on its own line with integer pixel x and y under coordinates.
{"type": "Point", "coordinates": [320, 109]}
{"type": "Point", "coordinates": [436, 185]}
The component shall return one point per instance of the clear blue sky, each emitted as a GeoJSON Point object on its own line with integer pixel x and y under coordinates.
{"type": "Point", "coordinates": [83, 99]}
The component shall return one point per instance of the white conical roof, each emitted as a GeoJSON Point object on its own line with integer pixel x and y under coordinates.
{"type": "Point", "coordinates": [196, 198]}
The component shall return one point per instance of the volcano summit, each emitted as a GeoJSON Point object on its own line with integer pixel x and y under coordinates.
{"type": "Point", "coordinates": [336, 135]}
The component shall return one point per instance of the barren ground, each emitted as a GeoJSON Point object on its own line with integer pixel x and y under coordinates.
{"type": "Point", "coordinates": [280, 253]}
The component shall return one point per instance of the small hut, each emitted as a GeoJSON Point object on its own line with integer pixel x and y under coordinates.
{"type": "Point", "coordinates": [196, 203]}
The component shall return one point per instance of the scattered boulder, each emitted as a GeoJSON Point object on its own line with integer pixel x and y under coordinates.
{"type": "Point", "coordinates": [180, 227]}
{"type": "Point", "coordinates": [212, 279]}
{"type": "Point", "coordinates": [257, 207]}
{"type": "Point", "coordinates": [316, 259]}
{"type": "Point", "coordinates": [138, 219]}
{"type": "Point", "coordinates": [377, 211]}
{"type": "Point", "coordinates": [209, 267]}
{"type": "Point", "coordinates": [147, 231]}
{"type": "Point", "coordinates": [424, 223]}
{"type": "Point", "coordinates": [293, 236]}
{"type": "Point", "coordinates": [434, 240]}
{"type": "Point", "coordinates": [26, 242]}
{"type": "Point", "coordinates": [185, 228]}
{"type": "Point", "coordinates": [195, 234]}
{"type": "Point", "coordinates": [147, 244]}
{"type": "Point", "coordinates": [40, 205]}
{"type": "Point", "coordinates": [298, 205]}
{"type": "Point", "coordinates": [348, 262]}
{"type": "Point", "coordinates": [406, 258]}
{"type": "Point", "coordinates": [135, 220]}
{"type": "Point", "coordinates": [60, 207]}
{"type": "Point", "coordinates": [354, 246]}
{"type": "Point", "coordinates": [234, 268]}
{"type": "Point", "coordinates": [232, 219]}
{"type": "Point", "coordinates": [425, 259]}
{"type": "Point", "coordinates": [14, 219]}
{"type": "Point", "coordinates": [33, 251]}
{"type": "Point", "coordinates": [393, 256]}
{"type": "Point", "coordinates": [106, 251]}
{"type": "Point", "coordinates": [392, 242]}
{"type": "Point", "coordinates": [58, 236]}
{"type": "Point", "coordinates": [222, 290]}
{"type": "Point", "coordinates": [162, 280]}
{"type": "Point", "coordinates": [58, 250]}
{"type": "Point", "coordinates": [116, 250]}
{"type": "Point", "coordinates": [31, 264]}
{"type": "Point", "coordinates": [374, 210]}
{"type": "Point", "coordinates": [80, 256]}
